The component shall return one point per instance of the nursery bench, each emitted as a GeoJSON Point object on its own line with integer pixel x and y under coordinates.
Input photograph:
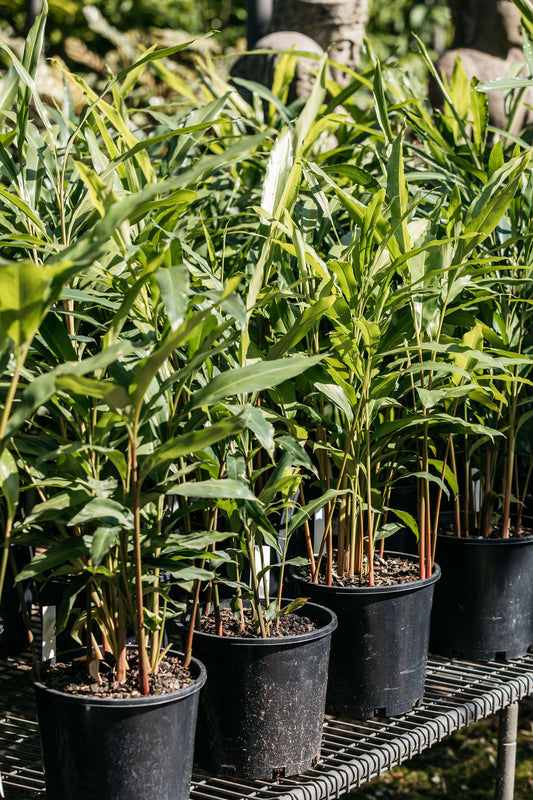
{"type": "Point", "coordinates": [457, 694]}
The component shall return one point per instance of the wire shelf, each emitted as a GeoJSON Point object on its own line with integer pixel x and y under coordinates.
{"type": "Point", "coordinates": [353, 752]}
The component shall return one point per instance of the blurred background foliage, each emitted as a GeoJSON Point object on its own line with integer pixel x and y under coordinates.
{"type": "Point", "coordinates": [389, 28]}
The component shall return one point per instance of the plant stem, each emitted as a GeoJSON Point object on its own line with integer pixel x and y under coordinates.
{"type": "Point", "coordinates": [307, 532]}
{"type": "Point", "coordinates": [144, 685]}
{"type": "Point", "coordinates": [369, 514]}
{"type": "Point", "coordinates": [260, 620]}
{"type": "Point", "coordinates": [192, 622]}
{"type": "Point", "coordinates": [508, 478]}
{"type": "Point", "coordinates": [485, 517]}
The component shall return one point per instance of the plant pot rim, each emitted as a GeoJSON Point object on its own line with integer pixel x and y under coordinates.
{"type": "Point", "coordinates": [129, 702]}
{"type": "Point", "coordinates": [280, 641]}
{"type": "Point", "coordinates": [480, 541]}
{"type": "Point", "coordinates": [397, 588]}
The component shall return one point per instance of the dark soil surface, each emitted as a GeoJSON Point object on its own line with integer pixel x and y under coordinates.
{"type": "Point", "coordinates": [495, 533]}
{"type": "Point", "coordinates": [388, 571]}
{"type": "Point", "coordinates": [73, 677]}
{"type": "Point", "coordinates": [289, 625]}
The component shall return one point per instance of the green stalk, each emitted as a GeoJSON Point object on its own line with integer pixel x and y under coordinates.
{"type": "Point", "coordinates": [144, 685]}
{"type": "Point", "coordinates": [264, 579]}
{"type": "Point", "coordinates": [341, 535]}
{"type": "Point", "coordinates": [5, 553]}
{"type": "Point", "coordinates": [456, 503]}
{"type": "Point", "coordinates": [328, 532]}
{"type": "Point", "coordinates": [485, 514]}
{"type": "Point", "coordinates": [260, 620]}
{"type": "Point", "coordinates": [307, 532]}
{"type": "Point", "coordinates": [192, 622]}
{"type": "Point", "coordinates": [10, 398]}
{"type": "Point", "coordinates": [369, 514]}
{"type": "Point", "coordinates": [508, 477]}
{"type": "Point", "coordinates": [282, 567]}
{"type": "Point", "coordinates": [122, 662]}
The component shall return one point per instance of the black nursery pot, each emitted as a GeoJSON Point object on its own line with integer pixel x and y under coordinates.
{"type": "Point", "coordinates": [262, 709]}
{"type": "Point", "coordinates": [379, 650]}
{"type": "Point", "coordinates": [119, 749]}
{"type": "Point", "coordinates": [483, 608]}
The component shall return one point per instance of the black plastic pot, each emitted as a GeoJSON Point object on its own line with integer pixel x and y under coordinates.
{"type": "Point", "coordinates": [483, 608]}
{"type": "Point", "coordinates": [119, 749]}
{"type": "Point", "coordinates": [379, 650]}
{"type": "Point", "coordinates": [262, 709]}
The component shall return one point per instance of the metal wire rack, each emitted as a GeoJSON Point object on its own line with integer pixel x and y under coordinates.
{"type": "Point", "coordinates": [457, 693]}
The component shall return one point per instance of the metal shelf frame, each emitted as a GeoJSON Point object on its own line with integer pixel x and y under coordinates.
{"type": "Point", "coordinates": [457, 693]}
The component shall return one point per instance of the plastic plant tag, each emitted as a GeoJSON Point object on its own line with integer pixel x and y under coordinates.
{"type": "Point", "coordinates": [48, 648]}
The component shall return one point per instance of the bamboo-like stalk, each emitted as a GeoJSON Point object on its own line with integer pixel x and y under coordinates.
{"type": "Point", "coordinates": [307, 533]}
{"type": "Point", "coordinates": [486, 508]}
{"type": "Point", "coordinates": [369, 513]}
{"type": "Point", "coordinates": [192, 622]}
{"type": "Point", "coordinates": [144, 668]}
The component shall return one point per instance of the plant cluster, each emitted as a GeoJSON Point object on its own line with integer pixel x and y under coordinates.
{"type": "Point", "coordinates": [217, 321]}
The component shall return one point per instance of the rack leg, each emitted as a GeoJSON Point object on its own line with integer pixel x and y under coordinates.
{"type": "Point", "coordinates": [505, 769]}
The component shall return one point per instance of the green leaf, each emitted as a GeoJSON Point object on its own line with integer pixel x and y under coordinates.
{"type": "Point", "coordinates": [305, 121]}
{"type": "Point", "coordinates": [490, 204]}
{"type": "Point", "coordinates": [223, 489]}
{"type": "Point", "coordinates": [32, 52]}
{"type": "Point", "coordinates": [64, 552]}
{"type": "Point", "coordinates": [338, 397]}
{"type": "Point", "coordinates": [297, 453]}
{"type": "Point", "coordinates": [253, 378]}
{"type": "Point", "coordinates": [173, 284]}
{"type": "Point", "coordinates": [407, 520]}
{"type": "Point", "coordinates": [527, 44]}
{"type": "Point", "coordinates": [40, 390]}
{"type": "Point", "coordinates": [255, 420]}
{"type": "Point", "coordinates": [150, 366]}
{"type": "Point", "coordinates": [398, 194]}
{"type": "Point", "coordinates": [193, 442]}
{"type": "Point", "coordinates": [26, 293]}
{"type": "Point", "coordinates": [278, 169]}
{"type": "Point", "coordinates": [354, 174]}
{"type": "Point", "coordinates": [310, 317]}
{"type": "Point", "coordinates": [8, 90]}
{"type": "Point", "coordinates": [504, 84]}
{"type": "Point", "coordinates": [294, 605]}
{"type": "Point", "coordinates": [381, 103]}
{"type": "Point", "coordinates": [524, 6]}
{"type": "Point", "coordinates": [309, 509]}
{"type": "Point", "coordinates": [101, 542]}
{"type": "Point", "coordinates": [104, 509]}
{"type": "Point", "coordinates": [9, 483]}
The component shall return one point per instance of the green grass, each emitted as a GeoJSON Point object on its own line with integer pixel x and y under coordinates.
{"type": "Point", "coordinates": [461, 767]}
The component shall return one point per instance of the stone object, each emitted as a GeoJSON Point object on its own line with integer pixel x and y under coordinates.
{"type": "Point", "coordinates": [260, 67]}
{"type": "Point", "coordinates": [336, 25]}
{"type": "Point", "coordinates": [488, 40]}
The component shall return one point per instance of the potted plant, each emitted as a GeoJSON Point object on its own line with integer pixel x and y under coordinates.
{"type": "Point", "coordinates": [382, 601]}
{"type": "Point", "coordinates": [120, 360]}
{"type": "Point", "coordinates": [483, 604]}
{"type": "Point", "coordinates": [392, 386]}
{"type": "Point", "coordinates": [267, 657]}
